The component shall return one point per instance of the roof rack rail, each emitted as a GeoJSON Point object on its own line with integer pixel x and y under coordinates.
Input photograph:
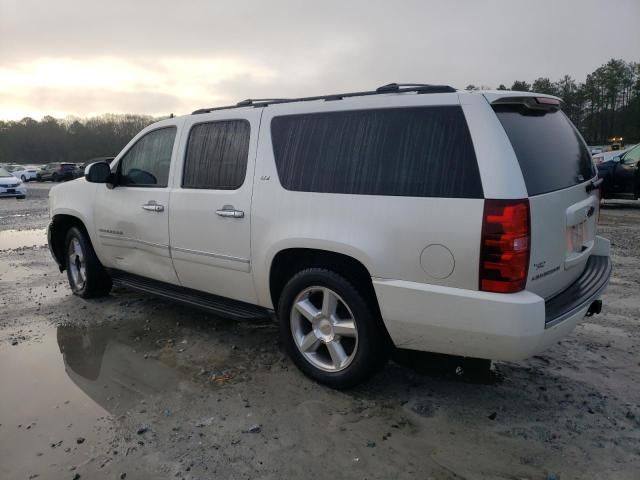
{"type": "Point", "coordinates": [388, 88]}
{"type": "Point", "coordinates": [254, 101]}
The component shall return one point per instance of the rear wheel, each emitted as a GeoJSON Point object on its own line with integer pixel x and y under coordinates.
{"type": "Point", "coordinates": [87, 277]}
{"type": "Point", "coordinates": [331, 333]}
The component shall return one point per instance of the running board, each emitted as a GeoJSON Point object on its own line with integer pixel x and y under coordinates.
{"type": "Point", "coordinates": [221, 306]}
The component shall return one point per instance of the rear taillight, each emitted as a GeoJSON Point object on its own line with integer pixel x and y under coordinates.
{"type": "Point", "coordinates": [504, 252]}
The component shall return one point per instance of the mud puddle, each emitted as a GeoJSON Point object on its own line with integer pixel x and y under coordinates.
{"type": "Point", "coordinates": [44, 414]}
{"type": "Point", "coordinates": [12, 239]}
{"type": "Point", "coordinates": [68, 387]}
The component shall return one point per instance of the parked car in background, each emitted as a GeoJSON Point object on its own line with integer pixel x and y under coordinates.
{"type": "Point", "coordinates": [23, 172]}
{"type": "Point", "coordinates": [57, 172]}
{"type": "Point", "coordinates": [621, 175]}
{"type": "Point", "coordinates": [419, 216]}
{"type": "Point", "coordinates": [11, 186]}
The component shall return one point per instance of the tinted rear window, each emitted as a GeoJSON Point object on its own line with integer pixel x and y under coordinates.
{"type": "Point", "coordinates": [421, 152]}
{"type": "Point", "coordinates": [217, 154]}
{"type": "Point", "coordinates": [551, 153]}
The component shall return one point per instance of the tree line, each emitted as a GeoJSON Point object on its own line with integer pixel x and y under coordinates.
{"type": "Point", "coordinates": [70, 140]}
{"type": "Point", "coordinates": [606, 104]}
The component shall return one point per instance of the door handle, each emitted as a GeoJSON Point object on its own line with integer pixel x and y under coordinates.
{"type": "Point", "coordinates": [152, 206]}
{"type": "Point", "coordinates": [229, 211]}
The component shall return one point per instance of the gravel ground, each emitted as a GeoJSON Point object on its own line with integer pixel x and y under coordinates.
{"type": "Point", "coordinates": [130, 386]}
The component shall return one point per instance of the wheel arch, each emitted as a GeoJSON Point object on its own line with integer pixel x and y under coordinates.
{"type": "Point", "coordinates": [56, 234]}
{"type": "Point", "coordinates": [289, 261]}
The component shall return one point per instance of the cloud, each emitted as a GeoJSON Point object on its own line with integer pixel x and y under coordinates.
{"type": "Point", "coordinates": [118, 85]}
{"type": "Point", "coordinates": [205, 52]}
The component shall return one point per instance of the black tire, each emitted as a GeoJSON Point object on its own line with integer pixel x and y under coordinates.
{"type": "Point", "coordinates": [97, 282]}
{"type": "Point", "coordinates": [23, 178]}
{"type": "Point", "coordinates": [372, 350]}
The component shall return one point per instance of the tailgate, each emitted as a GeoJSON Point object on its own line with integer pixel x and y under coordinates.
{"type": "Point", "coordinates": [563, 227]}
{"type": "Point", "coordinates": [557, 170]}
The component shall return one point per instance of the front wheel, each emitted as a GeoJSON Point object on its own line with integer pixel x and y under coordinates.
{"type": "Point", "coordinates": [87, 277]}
{"type": "Point", "coordinates": [23, 178]}
{"type": "Point", "coordinates": [329, 330]}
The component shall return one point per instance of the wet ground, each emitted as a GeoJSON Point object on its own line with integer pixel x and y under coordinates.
{"type": "Point", "coordinates": [130, 386]}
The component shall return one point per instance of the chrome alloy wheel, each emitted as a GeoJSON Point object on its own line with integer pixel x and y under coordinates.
{"type": "Point", "coordinates": [77, 263]}
{"type": "Point", "coordinates": [324, 329]}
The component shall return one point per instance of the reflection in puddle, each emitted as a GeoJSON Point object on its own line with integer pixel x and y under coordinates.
{"type": "Point", "coordinates": [112, 373]}
{"type": "Point", "coordinates": [39, 408]}
{"type": "Point", "coordinates": [10, 239]}
{"type": "Point", "coordinates": [68, 383]}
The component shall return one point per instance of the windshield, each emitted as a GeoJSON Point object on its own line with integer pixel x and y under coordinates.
{"type": "Point", "coordinates": [4, 173]}
{"type": "Point", "coordinates": [632, 155]}
{"type": "Point", "coordinates": [551, 153]}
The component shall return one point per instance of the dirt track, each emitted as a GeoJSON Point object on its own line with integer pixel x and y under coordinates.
{"type": "Point", "coordinates": [132, 385]}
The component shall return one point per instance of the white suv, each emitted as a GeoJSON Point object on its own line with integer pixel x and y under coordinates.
{"type": "Point", "coordinates": [415, 216]}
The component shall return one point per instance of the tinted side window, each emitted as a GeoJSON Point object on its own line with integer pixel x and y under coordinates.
{"type": "Point", "coordinates": [550, 151]}
{"type": "Point", "coordinates": [147, 163]}
{"type": "Point", "coordinates": [216, 155]}
{"type": "Point", "coordinates": [420, 151]}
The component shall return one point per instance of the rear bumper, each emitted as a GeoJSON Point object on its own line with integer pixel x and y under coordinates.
{"type": "Point", "coordinates": [583, 291]}
{"type": "Point", "coordinates": [484, 325]}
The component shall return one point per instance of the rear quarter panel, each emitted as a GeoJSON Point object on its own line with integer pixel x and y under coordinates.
{"type": "Point", "coordinates": [386, 234]}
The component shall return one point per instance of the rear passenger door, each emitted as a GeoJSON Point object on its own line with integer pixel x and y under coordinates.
{"type": "Point", "coordinates": [210, 223]}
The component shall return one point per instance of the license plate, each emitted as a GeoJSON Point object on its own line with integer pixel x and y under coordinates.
{"type": "Point", "coordinates": [578, 236]}
{"type": "Point", "coordinates": [11, 190]}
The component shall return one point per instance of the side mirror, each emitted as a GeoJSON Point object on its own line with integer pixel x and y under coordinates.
{"type": "Point", "coordinates": [98, 172]}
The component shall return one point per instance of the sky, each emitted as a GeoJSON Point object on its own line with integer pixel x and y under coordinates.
{"type": "Point", "coordinates": [85, 58]}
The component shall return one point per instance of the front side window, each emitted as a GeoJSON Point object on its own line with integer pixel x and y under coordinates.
{"type": "Point", "coordinates": [147, 163]}
{"type": "Point", "coordinates": [416, 152]}
{"type": "Point", "coordinates": [217, 154]}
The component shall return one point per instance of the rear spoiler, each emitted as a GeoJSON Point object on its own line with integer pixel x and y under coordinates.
{"type": "Point", "coordinates": [531, 102]}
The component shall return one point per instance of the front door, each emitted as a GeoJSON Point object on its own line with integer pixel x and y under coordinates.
{"type": "Point", "coordinates": [132, 219]}
{"type": "Point", "coordinates": [210, 217]}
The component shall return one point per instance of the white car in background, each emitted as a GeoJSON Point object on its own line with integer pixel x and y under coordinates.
{"type": "Point", "coordinates": [25, 173]}
{"type": "Point", "coordinates": [11, 186]}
